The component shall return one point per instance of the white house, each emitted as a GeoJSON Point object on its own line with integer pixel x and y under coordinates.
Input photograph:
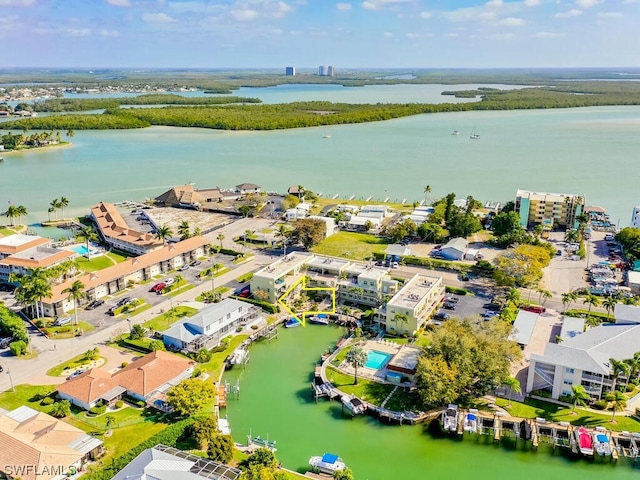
{"type": "Point", "coordinates": [455, 249]}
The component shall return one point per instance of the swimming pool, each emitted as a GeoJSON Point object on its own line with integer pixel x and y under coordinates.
{"type": "Point", "coordinates": [81, 250]}
{"type": "Point", "coordinates": [377, 360]}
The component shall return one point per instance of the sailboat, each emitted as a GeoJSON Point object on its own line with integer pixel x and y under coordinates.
{"type": "Point", "coordinates": [474, 135]}
{"type": "Point", "coordinates": [326, 135]}
{"type": "Point", "coordinates": [455, 132]}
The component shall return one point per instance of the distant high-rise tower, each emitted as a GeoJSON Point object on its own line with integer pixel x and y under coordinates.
{"type": "Point", "coordinates": [290, 71]}
{"type": "Point", "coordinates": [635, 217]}
{"type": "Point", "coordinates": [322, 71]}
{"type": "Point", "coordinates": [331, 71]}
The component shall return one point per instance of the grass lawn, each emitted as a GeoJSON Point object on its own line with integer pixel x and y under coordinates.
{"type": "Point", "coordinates": [164, 321]}
{"type": "Point", "coordinates": [26, 395]}
{"type": "Point", "coordinates": [219, 291]}
{"type": "Point", "coordinates": [243, 258]}
{"type": "Point", "coordinates": [78, 361]}
{"type": "Point", "coordinates": [5, 231]}
{"type": "Point", "coordinates": [320, 203]}
{"type": "Point", "coordinates": [68, 331]}
{"type": "Point", "coordinates": [215, 366]}
{"type": "Point", "coordinates": [178, 291]}
{"type": "Point", "coordinates": [118, 257]}
{"type": "Point", "coordinates": [245, 278]}
{"type": "Point", "coordinates": [533, 408]}
{"type": "Point", "coordinates": [372, 392]}
{"type": "Point", "coordinates": [359, 246]}
{"type": "Point", "coordinates": [95, 264]}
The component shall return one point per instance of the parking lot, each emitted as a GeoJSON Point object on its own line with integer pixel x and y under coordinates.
{"type": "Point", "coordinates": [466, 306]}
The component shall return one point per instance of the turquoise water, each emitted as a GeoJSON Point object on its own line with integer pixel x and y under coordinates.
{"type": "Point", "coordinates": [81, 250]}
{"type": "Point", "coordinates": [275, 402]}
{"type": "Point", "coordinates": [377, 360]}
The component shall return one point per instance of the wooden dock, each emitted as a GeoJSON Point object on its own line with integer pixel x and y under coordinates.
{"type": "Point", "coordinates": [222, 396]}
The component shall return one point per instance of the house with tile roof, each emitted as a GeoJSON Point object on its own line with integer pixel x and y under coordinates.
{"type": "Point", "coordinates": [115, 232]}
{"type": "Point", "coordinates": [113, 279]}
{"type": "Point", "coordinates": [36, 446]}
{"type": "Point", "coordinates": [186, 196]}
{"type": "Point", "coordinates": [146, 379]}
{"type": "Point", "coordinates": [246, 188]}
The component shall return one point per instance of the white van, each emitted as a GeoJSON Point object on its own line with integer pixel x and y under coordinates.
{"type": "Point", "coordinates": [62, 321]}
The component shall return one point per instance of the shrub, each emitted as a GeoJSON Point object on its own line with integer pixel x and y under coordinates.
{"type": "Point", "coordinates": [46, 401]}
{"type": "Point", "coordinates": [631, 387]}
{"type": "Point", "coordinates": [124, 364]}
{"type": "Point", "coordinates": [541, 393]}
{"type": "Point", "coordinates": [254, 327]}
{"type": "Point", "coordinates": [238, 330]}
{"type": "Point", "coordinates": [18, 348]}
{"type": "Point", "coordinates": [457, 290]}
{"type": "Point", "coordinates": [269, 307]}
{"type": "Point", "coordinates": [203, 356]}
{"type": "Point", "coordinates": [98, 410]}
{"type": "Point", "coordinates": [600, 405]}
{"type": "Point", "coordinates": [219, 348]}
{"type": "Point", "coordinates": [119, 404]}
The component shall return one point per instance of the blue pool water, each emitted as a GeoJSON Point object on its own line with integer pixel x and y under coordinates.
{"type": "Point", "coordinates": [80, 250]}
{"type": "Point", "coordinates": [377, 360]}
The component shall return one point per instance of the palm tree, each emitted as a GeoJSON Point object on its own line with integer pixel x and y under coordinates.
{"type": "Point", "coordinates": [634, 365]}
{"type": "Point", "coordinates": [427, 191]}
{"type": "Point", "coordinates": [184, 230]}
{"type": "Point", "coordinates": [21, 210]}
{"type": "Point", "coordinates": [178, 278]}
{"type": "Point", "coordinates": [356, 357]}
{"type": "Point", "coordinates": [11, 213]}
{"type": "Point", "coordinates": [546, 294]}
{"type": "Point", "coordinates": [567, 298]}
{"type": "Point", "coordinates": [618, 402]}
{"type": "Point", "coordinates": [514, 386]}
{"type": "Point", "coordinates": [618, 367]}
{"type": "Point", "coordinates": [572, 236]}
{"type": "Point", "coordinates": [163, 232]}
{"type": "Point", "coordinates": [401, 318]}
{"type": "Point", "coordinates": [579, 396]}
{"type": "Point", "coordinates": [592, 300]}
{"type": "Point", "coordinates": [609, 304]}
{"type": "Point", "coordinates": [513, 296]}
{"type": "Point", "coordinates": [220, 237]}
{"type": "Point", "coordinates": [301, 192]}
{"type": "Point", "coordinates": [89, 235]}
{"type": "Point", "coordinates": [109, 422]}
{"type": "Point", "coordinates": [64, 202]}
{"type": "Point", "coordinates": [247, 234]}
{"type": "Point", "coordinates": [197, 232]}
{"type": "Point", "coordinates": [55, 205]}
{"type": "Point", "coordinates": [50, 211]}
{"type": "Point", "coordinates": [76, 293]}
{"type": "Point", "coordinates": [283, 233]}
{"type": "Point", "coordinates": [70, 134]}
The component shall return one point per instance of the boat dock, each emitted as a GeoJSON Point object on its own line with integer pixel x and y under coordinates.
{"type": "Point", "coordinates": [222, 396]}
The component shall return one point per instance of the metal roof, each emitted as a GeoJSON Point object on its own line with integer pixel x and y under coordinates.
{"type": "Point", "coordinates": [523, 327]}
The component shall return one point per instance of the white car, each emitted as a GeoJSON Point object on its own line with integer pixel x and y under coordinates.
{"type": "Point", "coordinates": [169, 281]}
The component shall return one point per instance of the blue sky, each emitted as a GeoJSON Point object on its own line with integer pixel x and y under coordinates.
{"type": "Point", "coordinates": [307, 33]}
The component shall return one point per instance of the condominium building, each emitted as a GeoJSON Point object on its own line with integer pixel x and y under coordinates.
{"type": "Point", "coordinates": [410, 308]}
{"type": "Point", "coordinates": [548, 209]}
{"type": "Point", "coordinates": [290, 71]}
{"type": "Point", "coordinates": [19, 253]}
{"type": "Point", "coordinates": [278, 277]}
{"type": "Point", "coordinates": [322, 70]}
{"type": "Point", "coordinates": [635, 217]}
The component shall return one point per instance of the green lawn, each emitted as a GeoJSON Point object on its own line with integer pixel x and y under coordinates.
{"type": "Point", "coordinates": [359, 246]}
{"type": "Point", "coordinates": [26, 395]}
{"type": "Point", "coordinates": [95, 264]}
{"type": "Point", "coordinates": [219, 291]}
{"type": "Point", "coordinates": [320, 203]}
{"type": "Point", "coordinates": [532, 408]}
{"type": "Point", "coordinates": [78, 361]}
{"type": "Point", "coordinates": [164, 321]}
{"type": "Point", "coordinates": [372, 392]}
{"type": "Point", "coordinates": [5, 231]}
{"type": "Point", "coordinates": [183, 288]}
{"type": "Point", "coordinates": [118, 257]}
{"type": "Point", "coordinates": [68, 331]}
{"type": "Point", "coordinates": [215, 366]}
{"type": "Point", "coordinates": [245, 278]}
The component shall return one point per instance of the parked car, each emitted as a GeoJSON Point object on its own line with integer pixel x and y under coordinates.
{"type": "Point", "coordinates": [441, 316]}
{"type": "Point", "coordinates": [1, 369]}
{"type": "Point", "coordinates": [95, 304]}
{"type": "Point", "coordinates": [158, 287]}
{"type": "Point", "coordinates": [168, 281]}
{"type": "Point", "coordinates": [449, 305]}
{"type": "Point", "coordinates": [123, 301]}
{"type": "Point", "coordinates": [76, 373]}
{"type": "Point", "coordinates": [184, 267]}
{"type": "Point", "coordinates": [494, 307]}
{"type": "Point", "coordinates": [489, 314]}
{"type": "Point", "coordinates": [62, 321]}
{"type": "Point", "coordinates": [4, 342]}
{"type": "Point", "coordinates": [451, 299]}
{"type": "Point", "coordinates": [195, 263]}
{"type": "Point", "coordinates": [534, 308]}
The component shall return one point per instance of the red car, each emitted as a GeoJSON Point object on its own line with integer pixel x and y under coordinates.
{"type": "Point", "coordinates": [534, 309]}
{"type": "Point", "coordinates": [157, 288]}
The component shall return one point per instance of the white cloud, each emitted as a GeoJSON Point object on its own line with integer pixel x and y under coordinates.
{"type": "Point", "coordinates": [452, 35]}
{"type": "Point", "coordinates": [501, 36]}
{"type": "Point", "coordinates": [587, 3]}
{"type": "Point", "coordinates": [243, 15]}
{"type": "Point", "coordinates": [426, 15]}
{"type": "Point", "coordinates": [119, 3]}
{"type": "Point", "coordinates": [157, 18]}
{"type": "Point", "coordinates": [549, 35]}
{"type": "Point", "coordinates": [494, 3]}
{"type": "Point", "coordinates": [17, 3]}
{"type": "Point", "coordinates": [413, 35]}
{"type": "Point", "coordinates": [78, 32]}
{"type": "Point", "coordinates": [343, 7]}
{"type": "Point", "coordinates": [109, 33]}
{"type": "Point", "coordinates": [379, 4]}
{"type": "Point", "coordinates": [609, 14]}
{"type": "Point", "coordinates": [511, 22]}
{"type": "Point", "coordinates": [571, 13]}
{"type": "Point", "coordinates": [532, 3]}
{"type": "Point", "coordinates": [278, 10]}
{"type": "Point", "coordinates": [388, 34]}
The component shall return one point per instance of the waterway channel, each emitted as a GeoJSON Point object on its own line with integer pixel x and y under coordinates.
{"type": "Point", "coordinates": [275, 401]}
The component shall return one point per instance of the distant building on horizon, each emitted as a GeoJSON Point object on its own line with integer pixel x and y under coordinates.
{"type": "Point", "coordinates": [331, 70]}
{"type": "Point", "coordinates": [326, 71]}
{"type": "Point", "coordinates": [635, 217]}
{"type": "Point", "coordinates": [290, 71]}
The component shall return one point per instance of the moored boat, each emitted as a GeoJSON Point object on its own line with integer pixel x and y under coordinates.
{"type": "Point", "coordinates": [292, 322]}
{"type": "Point", "coordinates": [320, 319]}
{"type": "Point", "coordinates": [585, 442]}
{"type": "Point", "coordinates": [601, 442]}
{"type": "Point", "coordinates": [353, 404]}
{"type": "Point", "coordinates": [450, 418]}
{"type": "Point", "coordinates": [471, 421]}
{"type": "Point", "coordinates": [328, 463]}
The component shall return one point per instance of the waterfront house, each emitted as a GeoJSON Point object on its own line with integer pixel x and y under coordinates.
{"type": "Point", "coordinates": [412, 306]}
{"type": "Point", "coordinates": [145, 379]}
{"type": "Point", "coordinates": [210, 325]}
{"type": "Point", "coordinates": [36, 446]}
{"type": "Point", "coordinates": [247, 188]}
{"type": "Point", "coordinates": [548, 209]}
{"type": "Point", "coordinates": [19, 253]}
{"type": "Point", "coordinates": [115, 232]}
{"type": "Point", "coordinates": [455, 249]}
{"type": "Point", "coordinates": [358, 223]}
{"type": "Point", "coordinates": [113, 279]}
{"type": "Point", "coordinates": [168, 463]}
{"type": "Point", "coordinates": [186, 196]}
{"type": "Point", "coordinates": [584, 358]}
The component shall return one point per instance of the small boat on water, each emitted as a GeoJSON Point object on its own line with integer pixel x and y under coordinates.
{"type": "Point", "coordinates": [353, 404]}
{"type": "Point", "coordinates": [450, 418]}
{"type": "Point", "coordinates": [326, 135]}
{"type": "Point", "coordinates": [471, 422]}
{"type": "Point", "coordinates": [292, 322]}
{"type": "Point", "coordinates": [238, 356]}
{"type": "Point", "coordinates": [328, 463]}
{"type": "Point", "coordinates": [601, 442]}
{"type": "Point", "coordinates": [585, 442]}
{"type": "Point", "coordinates": [320, 319]}
{"type": "Point", "coordinates": [474, 135]}
{"type": "Point", "coordinates": [456, 132]}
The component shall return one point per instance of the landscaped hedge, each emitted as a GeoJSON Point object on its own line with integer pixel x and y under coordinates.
{"type": "Point", "coordinates": [135, 345]}
{"type": "Point", "coordinates": [458, 290]}
{"type": "Point", "coordinates": [169, 436]}
{"type": "Point", "coordinates": [269, 307]}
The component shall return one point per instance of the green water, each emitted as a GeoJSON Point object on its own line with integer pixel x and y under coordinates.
{"type": "Point", "coordinates": [275, 400]}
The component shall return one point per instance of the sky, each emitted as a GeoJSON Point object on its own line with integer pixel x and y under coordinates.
{"type": "Point", "coordinates": [309, 33]}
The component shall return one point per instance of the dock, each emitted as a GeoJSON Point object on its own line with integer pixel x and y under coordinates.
{"type": "Point", "coordinates": [222, 396]}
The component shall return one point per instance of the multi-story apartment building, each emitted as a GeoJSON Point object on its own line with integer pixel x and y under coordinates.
{"type": "Point", "coordinates": [276, 278]}
{"type": "Point", "coordinates": [19, 253]}
{"type": "Point", "coordinates": [290, 71]}
{"type": "Point", "coordinates": [548, 209]}
{"type": "Point", "coordinates": [413, 305]}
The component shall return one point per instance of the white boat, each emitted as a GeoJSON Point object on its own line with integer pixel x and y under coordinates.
{"type": "Point", "coordinates": [238, 356]}
{"type": "Point", "coordinates": [601, 442]}
{"type": "Point", "coordinates": [450, 418]}
{"type": "Point", "coordinates": [353, 404]}
{"type": "Point", "coordinates": [474, 135]}
{"type": "Point", "coordinates": [471, 421]}
{"type": "Point", "coordinates": [319, 319]}
{"type": "Point", "coordinates": [292, 322]}
{"type": "Point", "coordinates": [328, 463]}
{"type": "Point", "coordinates": [456, 132]}
{"type": "Point", "coordinates": [223, 426]}
{"type": "Point", "coordinates": [326, 135]}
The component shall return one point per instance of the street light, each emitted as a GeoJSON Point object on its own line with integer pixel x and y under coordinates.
{"type": "Point", "coordinates": [130, 328]}
{"type": "Point", "coordinates": [10, 380]}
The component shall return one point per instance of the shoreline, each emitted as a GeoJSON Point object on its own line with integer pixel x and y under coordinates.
{"type": "Point", "coordinates": [35, 149]}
